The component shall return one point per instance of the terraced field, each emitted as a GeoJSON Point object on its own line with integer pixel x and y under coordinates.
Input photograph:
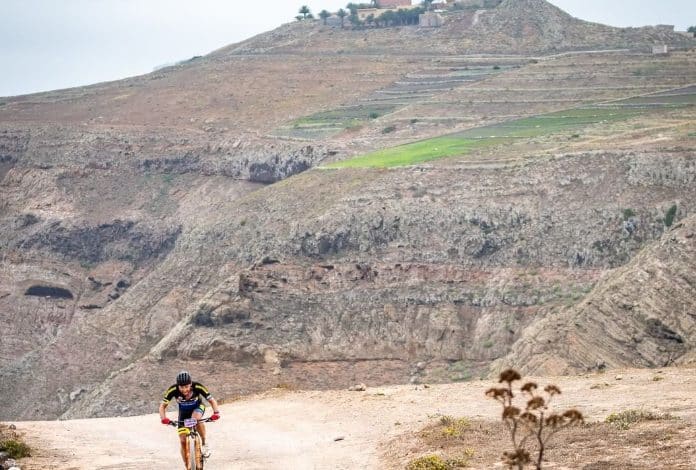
{"type": "Point", "coordinates": [487, 96]}
{"type": "Point", "coordinates": [440, 75]}
{"type": "Point", "coordinates": [567, 122]}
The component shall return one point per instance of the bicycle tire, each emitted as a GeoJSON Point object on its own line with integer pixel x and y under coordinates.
{"type": "Point", "coordinates": [192, 453]}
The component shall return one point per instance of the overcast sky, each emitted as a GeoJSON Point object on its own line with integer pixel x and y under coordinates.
{"type": "Point", "coordinates": [51, 44]}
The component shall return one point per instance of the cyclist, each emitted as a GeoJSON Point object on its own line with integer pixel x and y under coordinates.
{"type": "Point", "coordinates": [187, 394]}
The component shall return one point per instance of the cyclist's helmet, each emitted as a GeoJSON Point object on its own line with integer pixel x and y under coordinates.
{"type": "Point", "coordinates": [183, 378]}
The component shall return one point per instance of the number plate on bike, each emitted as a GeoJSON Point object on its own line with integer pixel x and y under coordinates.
{"type": "Point", "coordinates": [190, 423]}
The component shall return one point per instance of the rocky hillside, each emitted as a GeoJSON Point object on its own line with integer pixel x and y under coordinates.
{"type": "Point", "coordinates": [642, 314]}
{"type": "Point", "coordinates": [187, 218]}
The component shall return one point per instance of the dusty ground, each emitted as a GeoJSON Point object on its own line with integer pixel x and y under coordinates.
{"type": "Point", "coordinates": [387, 427]}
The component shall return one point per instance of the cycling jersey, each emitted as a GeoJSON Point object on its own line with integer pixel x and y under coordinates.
{"type": "Point", "coordinates": [187, 405]}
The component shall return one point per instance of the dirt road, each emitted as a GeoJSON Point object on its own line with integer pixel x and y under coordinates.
{"type": "Point", "coordinates": [335, 429]}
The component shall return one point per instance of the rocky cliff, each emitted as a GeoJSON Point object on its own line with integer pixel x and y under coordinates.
{"type": "Point", "coordinates": [642, 314]}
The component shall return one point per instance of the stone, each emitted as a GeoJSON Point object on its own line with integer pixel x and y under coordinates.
{"type": "Point", "coordinates": [76, 393]}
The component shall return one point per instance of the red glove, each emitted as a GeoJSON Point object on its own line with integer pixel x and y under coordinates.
{"type": "Point", "coordinates": [166, 421]}
{"type": "Point", "coordinates": [215, 416]}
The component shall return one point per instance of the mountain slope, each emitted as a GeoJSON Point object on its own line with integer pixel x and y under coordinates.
{"type": "Point", "coordinates": [639, 315]}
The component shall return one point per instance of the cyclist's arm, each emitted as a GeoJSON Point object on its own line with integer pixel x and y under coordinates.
{"type": "Point", "coordinates": [203, 390]}
{"type": "Point", "coordinates": [168, 395]}
{"type": "Point", "coordinates": [162, 408]}
{"type": "Point", "coordinates": [213, 402]}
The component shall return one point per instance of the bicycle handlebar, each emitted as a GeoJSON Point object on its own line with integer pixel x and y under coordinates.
{"type": "Point", "coordinates": [176, 422]}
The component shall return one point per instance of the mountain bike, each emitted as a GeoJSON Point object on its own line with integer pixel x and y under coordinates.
{"type": "Point", "coordinates": [194, 457]}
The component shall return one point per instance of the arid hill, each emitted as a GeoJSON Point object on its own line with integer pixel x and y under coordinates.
{"type": "Point", "coordinates": [190, 218]}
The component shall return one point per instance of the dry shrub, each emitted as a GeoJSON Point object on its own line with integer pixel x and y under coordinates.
{"type": "Point", "coordinates": [533, 423]}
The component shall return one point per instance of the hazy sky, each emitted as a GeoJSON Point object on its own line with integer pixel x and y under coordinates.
{"type": "Point", "coordinates": [51, 44]}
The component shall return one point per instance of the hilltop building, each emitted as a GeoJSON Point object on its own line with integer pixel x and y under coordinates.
{"type": "Point", "coordinates": [382, 4]}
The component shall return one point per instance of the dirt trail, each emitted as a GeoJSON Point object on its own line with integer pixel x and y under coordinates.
{"type": "Point", "coordinates": [299, 430]}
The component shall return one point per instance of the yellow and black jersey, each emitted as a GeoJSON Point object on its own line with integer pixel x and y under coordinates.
{"type": "Point", "coordinates": [198, 390]}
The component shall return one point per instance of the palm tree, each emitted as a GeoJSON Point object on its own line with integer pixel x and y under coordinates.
{"type": "Point", "coordinates": [324, 15]}
{"type": "Point", "coordinates": [342, 14]}
{"type": "Point", "coordinates": [304, 11]}
{"type": "Point", "coordinates": [353, 8]}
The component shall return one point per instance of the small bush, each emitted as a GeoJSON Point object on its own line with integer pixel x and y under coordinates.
{"type": "Point", "coordinates": [388, 129]}
{"type": "Point", "coordinates": [374, 115]}
{"type": "Point", "coordinates": [453, 427]}
{"type": "Point", "coordinates": [625, 419]}
{"type": "Point", "coordinates": [16, 449]}
{"type": "Point", "coordinates": [434, 462]}
{"type": "Point", "coordinates": [429, 462]}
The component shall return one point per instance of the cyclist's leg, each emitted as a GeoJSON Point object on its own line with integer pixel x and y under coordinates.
{"type": "Point", "coordinates": [183, 435]}
{"type": "Point", "coordinates": [200, 427]}
{"type": "Point", "coordinates": [183, 442]}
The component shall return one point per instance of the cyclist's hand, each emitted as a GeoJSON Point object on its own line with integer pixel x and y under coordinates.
{"type": "Point", "coordinates": [166, 421]}
{"type": "Point", "coordinates": [215, 416]}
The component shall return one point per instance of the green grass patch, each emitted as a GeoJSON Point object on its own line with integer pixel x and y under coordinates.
{"type": "Point", "coordinates": [567, 122]}
{"type": "Point", "coordinates": [344, 117]}
{"type": "Point", "coordinates": [328, 123]}
{"type": "Point", "coordinates": [482, 137]}
{"type": "Point", "coordinates": [417, 152]}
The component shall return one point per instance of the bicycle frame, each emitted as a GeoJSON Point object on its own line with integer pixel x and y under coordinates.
{"type": "Point", "coordinates": [194, 456]}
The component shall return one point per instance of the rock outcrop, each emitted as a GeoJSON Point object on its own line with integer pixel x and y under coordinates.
{"type": "Point", "coordinates": [642, 314]}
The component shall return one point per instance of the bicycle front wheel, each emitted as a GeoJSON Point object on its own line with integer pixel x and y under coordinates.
{"type": "Point", "coordinates": [192, 453]}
